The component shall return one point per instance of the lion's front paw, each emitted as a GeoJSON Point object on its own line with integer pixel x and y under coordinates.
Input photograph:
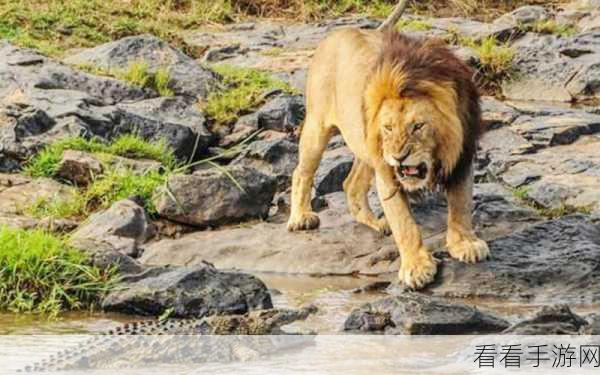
{"type": "Point", "coordinates": [383, 227]}
{"type": "Point", "coordinates": [417, 269]}
{"type": "Point", "coordinates": [304, 221]}
{"type": "Point", "coordinates": [469, 250]}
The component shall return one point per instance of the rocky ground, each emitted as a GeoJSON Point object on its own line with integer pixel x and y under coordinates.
{"type": "Point", "coordinates": [537, 196]}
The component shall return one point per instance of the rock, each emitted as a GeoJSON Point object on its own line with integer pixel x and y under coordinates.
{"type": "Point", "coordinates": [333, 170]}
{"type": "Point", "coordinates": [187, 77]}
{"type": "Point", "coordinates": [79, 167]}
{"type": "Point", "coordinates": [525, 15]}
{"type": "Point", "coordinates": [340, 246]}
{"type": "Point", "coordinates": [9, 180]}
{"type": "Point", "coordinates": [285, 113]}
{"type": "Point", "coordinates": [174, 120]}
{"type": "Point", "coordinates": [495, 113]}
{"type": "Point", "coordinates": [418, 314]}
{"type": "Point", "coordinates": [555, 69]}
{"type": "Point", "coordinates": [25, 222]}
{"type": "Point", "coordinates": [276, 158]}
{"type": "Point", "coordinates": [17, 199]}
{"type": "Point", "coordinates": [550, 320]}
{"type": "Point", "coordinates": [549, 261]}
{"type": "Point", "coordinates": [43, 101]}
{"type": "Point", "coordinates": [549, 195]}
{"type": "Point", "coordinates": [556, 129]}
{"type": "Point", "coordinates": [211, 197]}
{"type": "Point", "coordinates": [473, 29]}
{"type": "Point", "coordinates": [191, 292]}
{"type": "Point", "coordinates": [122, 228]}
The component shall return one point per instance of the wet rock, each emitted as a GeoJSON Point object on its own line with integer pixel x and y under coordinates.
{"type": "Point", "coordinates": [276, 158]}
{"type": "Point", "coordinates": [122, 228]}
{"type": "Point", "coordinates": [195, 292]}
{"type": "Point", "coordinates": [187, 77]}
{"type": "Point", "coordinates": [79, 167]}
{"type": "Point", "coordinates": [525, 15]}
{"type": "Point", "coordinates": [550, 320]}
{"type": "Point", "coordinates": [211, 197]}
{"type": "Point", "coordinates": [174, 120]}
{"type": "Point", "coordinates": [555, 68]}
{"type": "Point", "coordinates": [551, 260]}
{"type": "Point", "coordinates": [333, 170]}
{"type": "Point", "coordinates": [418, 314]}
{"type": "Point", "coordinates": [340, 246]}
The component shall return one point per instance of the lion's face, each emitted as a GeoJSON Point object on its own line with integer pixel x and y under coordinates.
{"type": "Point", "coordinates": [407, 129]}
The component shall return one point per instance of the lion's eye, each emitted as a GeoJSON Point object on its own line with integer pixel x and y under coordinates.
{"type": "Point", "coordinates": [418, 126]}
{"type": "Point", "coordinates": [388, 128]}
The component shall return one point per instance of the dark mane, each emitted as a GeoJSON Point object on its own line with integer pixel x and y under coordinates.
{"type": "Point", "coordinates": [431, 60]}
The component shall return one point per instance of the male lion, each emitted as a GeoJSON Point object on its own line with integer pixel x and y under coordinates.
{"type": "Point", "coordinates": [409, 111]}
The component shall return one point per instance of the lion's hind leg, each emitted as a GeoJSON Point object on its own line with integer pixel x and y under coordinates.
{"type": "Point", "coordinates": [313, 141]}
{"type": "Point", "coordinates": [357, 186]}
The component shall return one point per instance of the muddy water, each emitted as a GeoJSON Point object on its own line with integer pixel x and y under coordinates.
{"type": "Point", "coordinates": [334, 296]}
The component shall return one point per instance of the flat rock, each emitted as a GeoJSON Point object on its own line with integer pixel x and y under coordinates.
{"type": "Point", "coordinates": [525, 15]}
{"type": "Point", "coordinates": [418, 314]}
{"type": "Point", "coordinates": [213, 197]}
{"type": "Point", "coordinates": [191, 292]}
{"type": "Point", "coordinates": [16, 199]}
{"type": "Point", "coordinates": [187, 77]}
{"type": "Point", "coordinates": [26, 222]}
{"type": "Point", "coordinates": [340, 246]}
{"type": "Point", "coordinates": [550, 261]}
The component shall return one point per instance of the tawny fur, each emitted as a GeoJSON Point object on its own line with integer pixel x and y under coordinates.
{"type": "Point", "coordinates": [395, 100]}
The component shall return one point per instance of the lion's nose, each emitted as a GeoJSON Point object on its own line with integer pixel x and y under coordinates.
{"type": "Point", "coordinates": [403, 155]}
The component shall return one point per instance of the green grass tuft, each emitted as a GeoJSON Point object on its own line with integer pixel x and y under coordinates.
{"type": "Point", "coordinates": [244, 92]}
{"type": "Point", "coordinates": [550, 27]}
{"type": "Point", "coordinates": [139, 73]}
{"type": "Point", "coordinates": [413, 25]}
{"type": "Point", "coordinates": [39, 273]}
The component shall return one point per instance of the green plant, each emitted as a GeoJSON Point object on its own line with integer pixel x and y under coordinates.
{"type": "Point", "coordinates": [244, 92]}
{"type": "Point", "coordinates": [521, 192]}
{"type": "Point", "coordinates": [550, 27]}
{"type": "Point", "coordinates": [39, 273]}
{"type": "Point", "coordinates": [139, 73]}
{"type": "Point", "coordinates": [413, 25]}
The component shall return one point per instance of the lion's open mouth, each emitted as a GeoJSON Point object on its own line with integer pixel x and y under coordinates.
{"type": "Point", "coordinates": [418, 171]}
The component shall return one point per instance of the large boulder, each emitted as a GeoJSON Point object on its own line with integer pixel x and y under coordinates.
{"type": "Point", "coordinates": [418, 314]}
{"type": "Point", "coordinates": [187, 77]}
{"type": "Point", "coordinates": [214, 196]}
{"type": "Point", "coordinates": [190, 292]}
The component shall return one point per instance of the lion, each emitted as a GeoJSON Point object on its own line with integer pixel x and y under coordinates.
{"type": "Point", "coordinates": [409, 111]}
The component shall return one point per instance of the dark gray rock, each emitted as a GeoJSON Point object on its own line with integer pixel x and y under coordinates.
{"type": "Point", "coordinates": [211, 197]}
{"type": "Point", "coordinates": [556, 68]}
{"type": "Point", "coordinates": [418, 314]}
{"type": "Point", "coordinates": [191, 292]}
{"type": "Point", "coordinates": [277, 158]}
{"type": "Point", "coordinates": [556, 129]}
{"type": "Point", "coordinates": [550, 320]}
{"type": "Point", "coordinates": [187, 77]}
{"type": "Point", "coordinates": [333, 170]}
{"type": "Point", "coordinates": [556, 259]}
{"type": "Point", "coordinates": [122, 228]}
{"type": "Point", "coordinates": [284, 113]}
{"type": "Point", "coordinates": [174, 120]}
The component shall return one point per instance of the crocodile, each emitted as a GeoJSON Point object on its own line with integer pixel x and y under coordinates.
{"type": "Point", "coordinates": [177, 341]}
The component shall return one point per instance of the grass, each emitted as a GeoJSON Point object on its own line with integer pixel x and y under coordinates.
{"type": "Point", "coordinates": [413, 25]}
{"type": "Point", "coordinates": [54, 26]}
{"type": "Point", "coordinates": [550, 27]}
{"type": "Point", "coordinates": [46, 162]}
{"type": "Point", "coordinates": [39, 273]}
{"type": "Point", "coordinates": [521, 193]}
{"type": "Point", "coordinates": [244, 92]}
{"type": "Point", "coordinates": [113, 185]}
